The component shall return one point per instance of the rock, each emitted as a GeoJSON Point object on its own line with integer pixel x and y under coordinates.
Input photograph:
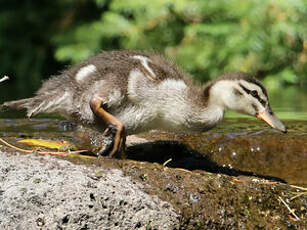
{"type": "Point", "coordinates": [218, 201]}
{"type": "Point", "coordinates": [46, 192]}
{"type": "Point", "coordinates": [52, 193]}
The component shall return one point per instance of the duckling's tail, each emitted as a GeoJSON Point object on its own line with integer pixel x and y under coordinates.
{"type": "Point", "coordinates": [37, 104]}
{"type": "Point", "coordinates": [31, 104]}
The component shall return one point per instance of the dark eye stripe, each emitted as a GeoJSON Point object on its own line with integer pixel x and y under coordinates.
{"type": "Point", "coordinates": [245, 89]}
{"type": "Point", "coordinates": [254, 95]}
{"type": "Point", "coordinates": [252, 80]}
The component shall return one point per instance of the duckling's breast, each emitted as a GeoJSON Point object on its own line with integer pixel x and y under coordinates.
{"type": "Point", "coordinates": [154, 105]}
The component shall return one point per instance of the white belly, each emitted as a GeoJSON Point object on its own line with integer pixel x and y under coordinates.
{"type": "Point", "coordinates": [138, 118]}
{"type": "Point", "coordinates": [143, 118]}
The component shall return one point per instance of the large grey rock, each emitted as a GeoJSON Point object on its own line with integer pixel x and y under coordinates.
{"type": "Point", "coordinates": [46, 192]}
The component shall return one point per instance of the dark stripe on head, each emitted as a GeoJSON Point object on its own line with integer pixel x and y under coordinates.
{"type": "Point", "coordinates": [254, 81]}
{"type": "Point", "coordinates": [245, 89]}
{"type": "Point", "coordinates": [245, 77]}
{"type": "Point", "coordinates": [255, 96]}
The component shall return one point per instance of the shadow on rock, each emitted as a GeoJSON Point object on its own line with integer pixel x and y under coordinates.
{"type": "Point", "coordinates": [182, 156]}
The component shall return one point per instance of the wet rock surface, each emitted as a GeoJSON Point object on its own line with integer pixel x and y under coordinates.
{"type": "Point", "coordinates": [233, 177]}
{"type": "Point", "coordinates": [218, 201]}
{"type": "Point", "coordinates": [248, 149]}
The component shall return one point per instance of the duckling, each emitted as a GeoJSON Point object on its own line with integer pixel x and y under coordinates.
{"type": "Point", "coordinates": [127, 92]}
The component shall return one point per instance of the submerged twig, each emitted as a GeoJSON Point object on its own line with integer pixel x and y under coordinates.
{"type": "Point", "coordinates": [302, 188]}
{"type": "Point", "coordinates": [41, 152]}
{"type": "Point", "coordinates": [287, 206]}
{"type": "Point", "coordinates": [4, 78]}
{"type": "Point", "coordinates": [298, 194]}
{"type": "Point", "coordinates": [14, 147]}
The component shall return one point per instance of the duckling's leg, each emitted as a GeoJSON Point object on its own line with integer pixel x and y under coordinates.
{"type": "Point", "coordinates": [115, 127]}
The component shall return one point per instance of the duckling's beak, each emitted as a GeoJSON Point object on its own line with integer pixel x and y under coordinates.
{"type": "Point", "coordinates": [269, 117]}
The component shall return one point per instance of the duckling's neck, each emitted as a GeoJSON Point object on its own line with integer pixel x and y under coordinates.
{"type": "Point", "coordinates": [205, 118]}
{"type": "Point", "coordinates": [206, 108]}
{"type": "Point", "coordinates": [192, 111]}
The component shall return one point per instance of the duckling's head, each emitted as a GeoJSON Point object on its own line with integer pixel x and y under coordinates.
{"type": "Point", "coordinates": [242, 93]}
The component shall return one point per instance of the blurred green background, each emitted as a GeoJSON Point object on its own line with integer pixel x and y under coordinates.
{"type": "Point", "coordinates": [267, 38]}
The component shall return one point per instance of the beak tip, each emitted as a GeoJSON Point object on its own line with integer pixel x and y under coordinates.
{"type": "Point", "coordinates": [282, 128]}
{"type": "Point", "coordinates": [272, 120]}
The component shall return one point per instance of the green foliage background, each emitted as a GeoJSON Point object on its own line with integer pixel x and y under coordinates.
{"type": "Point", "coordinates": [205, 37]}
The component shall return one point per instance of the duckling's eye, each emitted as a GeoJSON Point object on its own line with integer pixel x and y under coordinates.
{"type": "Point", "coordinates": [254, 93]}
